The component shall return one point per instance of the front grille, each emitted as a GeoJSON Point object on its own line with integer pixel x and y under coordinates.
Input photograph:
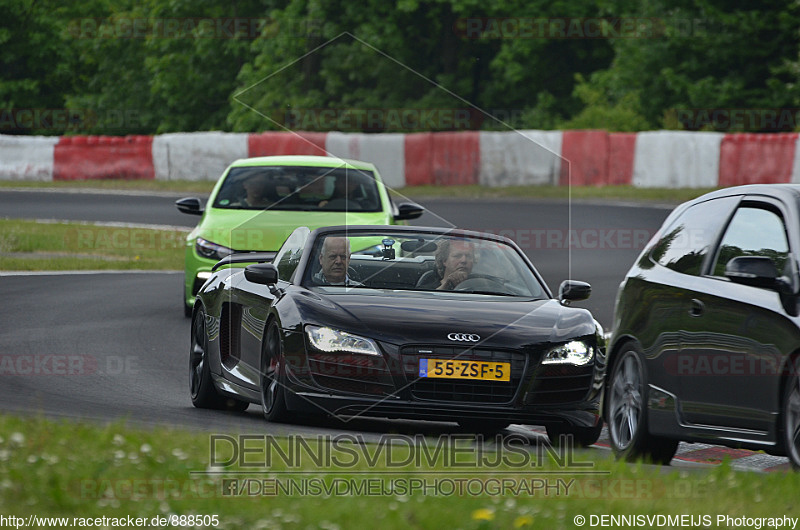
{"type": "Point", "coordinates": [462, 391]}
{"type": "Point", "coordinates": [344, 372]}
{"type": "Point", "coordinates": [561, 384]}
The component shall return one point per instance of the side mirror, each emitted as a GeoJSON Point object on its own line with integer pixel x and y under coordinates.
{"type": "Point", "coordinates": [408, 210]}
{"type": "Point", "coordinates": [190, 205]}
{"type": "Point", "coordinates": [755, 271]}
{"type": "Point", "coordinates": [261, 273]}
{"type": "Point", "coordinates": [573, 291]}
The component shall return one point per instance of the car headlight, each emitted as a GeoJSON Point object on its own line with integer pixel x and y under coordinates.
{"type": "Point", "coordinates": [332, 340]}
{"type": "Point", "coordinates": [575, 352]}
{"type": "Point", "coordinates": [210, 250]}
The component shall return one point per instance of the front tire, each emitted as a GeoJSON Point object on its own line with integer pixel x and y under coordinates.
{"type": "Point", "coordinates": [791, 420]}
{"type": "Point", "coordinates": [203, 393]}
{"type": "Point", "coordinates": [273, 376]}
{"type": "Point", "coordinates": [626, 413]}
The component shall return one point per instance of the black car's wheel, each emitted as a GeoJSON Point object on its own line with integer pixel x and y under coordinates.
{"type": "Point", "coordinates": [483, 426]}
{"type": "Point", "coordinates": [581, 436]}
{"type": "Point", "coordinates": [791, 420]}
{"type": "Point", "coordinates": [626, 412]}
{"type": "Point", "coordinates": [273, 372]}
{"type": "Point", "coordinates": [203, 393]}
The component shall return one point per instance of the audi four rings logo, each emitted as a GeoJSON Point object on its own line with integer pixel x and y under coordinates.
{"type": "Point", "coordinates": [464, 337]}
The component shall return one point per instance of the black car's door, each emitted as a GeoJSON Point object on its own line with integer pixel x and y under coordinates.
{"type": "Point", "coordinates": [668, 284]}
{"type": "Point", "coordinates": [254, 301]}
{"type": "Point", "coordinates": [241, 326]}
{"type": "Point", "coordinates": [733, 346]}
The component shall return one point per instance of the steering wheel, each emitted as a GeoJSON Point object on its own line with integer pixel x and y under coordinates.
{"type": "Point", "coordinates": [483, 282]}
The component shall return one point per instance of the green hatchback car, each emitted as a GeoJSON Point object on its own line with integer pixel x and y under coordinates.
{"type": "Point", "coordinates": [258, 202]}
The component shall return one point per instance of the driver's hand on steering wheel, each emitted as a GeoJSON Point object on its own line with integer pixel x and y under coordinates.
{"type": "Point", "coordinates": [453, 279]}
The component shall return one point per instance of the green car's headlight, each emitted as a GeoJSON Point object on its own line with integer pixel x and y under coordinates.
{"type": "Point", "coordinates": [210, 250]}
{"type": "Point", "coordinates": [331, 340]}
{"type": "Point", "coordinates": [575, 352]}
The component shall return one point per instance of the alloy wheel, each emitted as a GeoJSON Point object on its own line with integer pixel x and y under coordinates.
{"type": "Point", "coordinates": [626, 403]}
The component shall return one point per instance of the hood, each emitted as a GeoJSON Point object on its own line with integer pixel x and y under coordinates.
{"type": "Point", "coordinates": [268, 229]}
{"type": "Point", "coordinates": [427, 318]}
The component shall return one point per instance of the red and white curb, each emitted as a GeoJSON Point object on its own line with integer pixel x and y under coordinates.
{"type": "Point", "coordinates": [667, 159]}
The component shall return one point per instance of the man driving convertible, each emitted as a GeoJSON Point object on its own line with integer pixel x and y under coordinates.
{"type": "Point", "coordinates": [334, 260]}
{"type": "Point", "coordinates": [453, 260]}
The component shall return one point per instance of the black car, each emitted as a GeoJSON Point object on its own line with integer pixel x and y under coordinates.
{"type": "Point", "coordinates": [398, 322]}
{"type": "Point", "coordinates": [706, 330]}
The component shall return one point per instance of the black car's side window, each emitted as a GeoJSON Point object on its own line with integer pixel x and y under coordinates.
{"type": "Point", "coordinates": [753, 232]}
{"type": "Point", "coordinates": [684, 246]}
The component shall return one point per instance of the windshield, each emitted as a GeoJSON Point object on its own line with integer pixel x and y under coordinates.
{"type": "Point", "coordinates": [419, 262]}
{"type": "Point", "coordinates": [299, 188]}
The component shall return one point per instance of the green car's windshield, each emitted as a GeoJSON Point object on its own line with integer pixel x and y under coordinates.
{"type": "Point", "coordinates": [299, 188]}
{"type": "Point", "coordinates": [420, 262]}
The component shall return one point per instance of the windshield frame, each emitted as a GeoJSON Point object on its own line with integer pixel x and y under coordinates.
{"type": "Point", "coordinates": [528, 274]}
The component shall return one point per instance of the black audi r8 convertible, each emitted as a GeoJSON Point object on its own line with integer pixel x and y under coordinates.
{"type": "Point", "coordinates": [398, 322]}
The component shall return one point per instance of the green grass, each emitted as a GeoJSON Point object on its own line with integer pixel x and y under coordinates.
{"type": "Point", "coordinates": [625, 193]}
{"type": "Point", "coordinates": [117, 184]}
{"type": "Point", "coordinates": [74, 469]}
{"type": "Point", "coordinates": [32, 245]}
{"type": "Point", "coordinates": [628, 193]}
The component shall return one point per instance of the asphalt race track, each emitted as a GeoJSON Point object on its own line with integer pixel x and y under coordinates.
{"type": "Point", "coordinates": [114, 346]}
{"type": "Point", "coordinates": [604, 239]}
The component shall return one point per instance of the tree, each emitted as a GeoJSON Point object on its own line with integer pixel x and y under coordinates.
{"type": "Point", "coordinates": [706, 54]}
{"type": "Point", "coordinates": [35, 67]}
{"type": "Point", "coordinates": [164, 66]}
{"type": "Point", "coordinates": [440, 55]}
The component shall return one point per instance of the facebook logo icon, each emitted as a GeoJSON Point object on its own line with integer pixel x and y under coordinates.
{"type": "Point", "coordinates": [230, 487]}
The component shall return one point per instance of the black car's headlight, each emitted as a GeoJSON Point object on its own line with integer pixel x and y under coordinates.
{"type": "Point", "coordinates": [331, 340]}
{"type": "Point", "coordinates": [210, 250]}
{"type": "Point", "coordinates": [576, 352]}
